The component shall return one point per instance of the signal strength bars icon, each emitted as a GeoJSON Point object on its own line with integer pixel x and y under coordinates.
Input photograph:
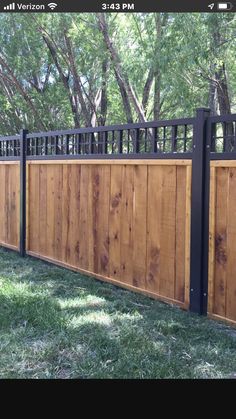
{"type": "Point", "coordinates": [9, 7]}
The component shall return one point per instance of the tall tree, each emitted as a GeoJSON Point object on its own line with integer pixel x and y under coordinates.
{"type": "Point", "coordinates": [128, 95]}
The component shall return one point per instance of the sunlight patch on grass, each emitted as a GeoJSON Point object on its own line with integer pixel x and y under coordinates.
{"type": "Point", "coordinates": [98, 317]}
{"type": "Point", "coordinates": [58, 324]}
{"type": "Point", "coordinates": [78, 302]}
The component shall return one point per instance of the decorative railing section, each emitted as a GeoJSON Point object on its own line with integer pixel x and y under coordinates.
{"type": "Point", "coordinates": [147, 138]}
{"type": "Point", "coordinates": [10, 146]}
{"type": "Point", "coordinates": [157, 138]}
{"type": "Point", "coordinates": [223, 133]}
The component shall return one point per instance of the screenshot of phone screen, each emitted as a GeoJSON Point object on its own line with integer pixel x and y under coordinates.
{"type": "Point", "coordinates": [117, 169]}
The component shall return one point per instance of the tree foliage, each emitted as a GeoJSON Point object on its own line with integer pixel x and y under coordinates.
{"type": "Point", "coordinates": [71, 70]}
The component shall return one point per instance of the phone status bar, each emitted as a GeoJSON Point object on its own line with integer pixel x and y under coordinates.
{"type": "Point", "coordinates": [60, 6]}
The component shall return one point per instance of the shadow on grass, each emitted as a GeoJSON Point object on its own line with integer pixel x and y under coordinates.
{"type": "Point", "coordinates": [100, 331]}
{"type": "Point", "coordinates": [29, 310]}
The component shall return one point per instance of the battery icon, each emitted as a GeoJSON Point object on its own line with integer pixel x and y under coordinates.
{"type": "Point", "coordinates": [224, 6]}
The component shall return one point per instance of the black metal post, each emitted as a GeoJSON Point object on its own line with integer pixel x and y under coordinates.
{"type": "Point", "coordinates": [173, 138]}
{"type": "Point", "coordinates": [23, 147]}
{"type": "Point", "coordinates": [199, 213]}
{"type": "Point", "coordinates": [120, 139]}
{"type": "Point", "coordinates": [136, 141]}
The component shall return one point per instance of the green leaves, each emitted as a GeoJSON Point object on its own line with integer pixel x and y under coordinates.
{"type": "Point", "coordinates": [186, 52]}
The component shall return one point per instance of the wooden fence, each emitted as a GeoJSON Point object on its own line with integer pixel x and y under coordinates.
{"type": "Point", "coordinates": [126, 222]}
{"type": "Point", "coordinates": [222, 240]}
{"type": "Point", "coordinates": [9, 204]}
{"type": "Point", "coordinates": [149, 207]}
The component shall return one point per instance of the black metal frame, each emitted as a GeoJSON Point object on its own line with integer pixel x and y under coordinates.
{"type": "Point", "coordinates": [140, 140]}
{"type": "Point", "coordinates": [150, 124]}
{"type": "Point", "coordinates": [23, 144]}
{"type": "Point", "coordinates": [197, 242]}
{"type": "Point", "coordinates": [200, 148]}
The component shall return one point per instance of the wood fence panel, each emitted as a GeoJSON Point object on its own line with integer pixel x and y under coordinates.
{"type": "Point", "coordinates": [180, 227]}
{"type": "Point", "coordinates": [102, 197]}
{"type": "Point", "coordinates": [9, 204]}
{"type": "Point", "coordinates": [222, 239]}
{"type": "Point", "coordinates": [115, 222]}
{"type": "Point", "coordinates": [154, 216]}
{"type": "Point", "coordinates": [127, 225]}
{"type": "Point", "coordinates": [140, 226]}
{"type": "Point", "coordinates": [124, 223]}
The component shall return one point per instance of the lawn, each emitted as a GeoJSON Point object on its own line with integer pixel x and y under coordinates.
{"type": "Point", "coordinates": [59, 324]}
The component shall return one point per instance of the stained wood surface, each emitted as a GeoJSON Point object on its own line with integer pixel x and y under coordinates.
{"type": "Point", "coordinates": [98, 162]}
{"type": "Point", "coordinates": [9, 204]}
{"type": "Point", "coordinates": [125, 222]}
{"type": "Point", "coordinates": [222, 249]}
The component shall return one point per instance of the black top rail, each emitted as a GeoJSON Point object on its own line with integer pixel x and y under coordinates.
{"type": "Point", "coordinates": [150, 124]}
{"type": "Point", "coordinates": [223, 118]}
{"type": "Point", "coordinates": [10, 138]}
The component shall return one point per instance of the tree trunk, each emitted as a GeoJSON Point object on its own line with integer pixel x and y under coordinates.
{"type": "Point", "coordinates": [223, 94]}
{"type": "Point", "coordinates": [224, 107]}
{"type": "Point", "coordinates": [157, 73]}
{"type": "Point", "coordinates": [157, 96]}
{"type": "Point", "coordinates": [103, 112]}
{"type": "Point", "coordinates": [147, 89]}
{"type": "Point", "coordinates": [222, 91]}
{"type": "Point", "coordinates": [64, 79]}
{"type": "Point", "coordinates": [212, 101]}
{"type": "Point", "coordinates": [77, 82]}
{"type": "Point", "coordinates": [23, 93]}
{"type": "Point", "coordinates": [127, 92]}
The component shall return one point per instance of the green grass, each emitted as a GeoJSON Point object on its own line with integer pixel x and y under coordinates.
{"type": "Point", "coordinates": [58, 324]}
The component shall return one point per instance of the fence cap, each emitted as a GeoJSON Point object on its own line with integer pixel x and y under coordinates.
{"type": "Point", "coordinates": [203, 109]}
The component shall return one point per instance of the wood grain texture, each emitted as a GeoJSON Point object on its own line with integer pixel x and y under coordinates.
{"type": "Point", "coordinates": [65, 214]}
{"type": "Point", "coordinates": [230, 290]}
{"type": "Point", "coordinates": [58, 211]}
{"type": "Point", "coordinates": [127, 224]}
{"type": "Point", "coordinates": [9, 163]}
{"type": "Point", "coordinates": [102, 180]}
{"type": "Point", "coordinates": [180, 233]}
{"type": "Point", "coordinates": [222, 240]}
{"type": "Point", "coordinates": [9, 204]}
{"type": "Point", "coordinates": [27, 206]}
{"type": "Point", "coordinates": [132, 162]}
{"type": "Point", "coordinates": [154, 216]}
{"type": "Point", "coordinates": [42, 239]}
{"type": "Point", "coordinates": [115, 222]}
{"type": "Point", "coordinates": [212, 220]}
{"type": "Point", "coordinates": [168, 235]}
{"type": "Point", "coordinates": [140, 226]}
{"type": "Point", "coordinates": [84, 218]}
{"type": "Point", "coordinates": [223, 163]}
{"type": "Point", "coordinates": [77, 183]}
{"type": "Point", "coordinates": [50, 200]}
{"type": "Point", "coordinates": [124, 222]}
{"type": "Point", "coordinates": [187, 235]}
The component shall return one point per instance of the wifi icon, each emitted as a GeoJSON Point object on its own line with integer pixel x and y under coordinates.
{"type": "Point", "coordinates": [52, 6]}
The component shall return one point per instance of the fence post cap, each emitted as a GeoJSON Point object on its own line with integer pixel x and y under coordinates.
{"type": "Point", "coordinates": [203, 109]}
{"type": "Point", "coordinates": [24, 130]}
